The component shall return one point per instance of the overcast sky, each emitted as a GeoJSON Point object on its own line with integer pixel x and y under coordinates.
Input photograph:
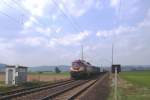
{"type": "Point", "coordinates": [51, 32]}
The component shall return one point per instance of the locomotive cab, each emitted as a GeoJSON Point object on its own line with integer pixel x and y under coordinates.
{"type": "Point", "coordinates": [78, 69]}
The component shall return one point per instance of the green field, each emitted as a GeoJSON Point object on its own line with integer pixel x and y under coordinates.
{"type": "Point", "coordinates": [2, 83]}
{"type": "Point", "coordinates": [141, 78]}
{"type": "Point", "coordinates": [137, 86]}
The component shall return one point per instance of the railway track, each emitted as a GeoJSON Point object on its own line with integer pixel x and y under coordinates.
{"type": "Point", "coordinates": [74, 94]}
{"type": "Point", "coordinates": [52, 92]}
{"type": "Point", "coordinates": [29, 88]}
{"type": "Point", "coordinates": [68, 90]}
{"type": "Point", "coordinates": [25, 91]}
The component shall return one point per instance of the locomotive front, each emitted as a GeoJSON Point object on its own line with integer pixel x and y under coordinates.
{"type": "Point", "coordinates": [78, 69]}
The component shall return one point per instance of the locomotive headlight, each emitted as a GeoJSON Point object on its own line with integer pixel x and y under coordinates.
{"type": "Point", "coordinates": [71, 68]}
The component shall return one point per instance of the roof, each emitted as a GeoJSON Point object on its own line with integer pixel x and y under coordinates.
{"type": "Point", "coordinates": [13, 66]}
{"type": "Point", "coordinates": [22, 67]}
{"type": "Point", "coordinates": [10, 66]}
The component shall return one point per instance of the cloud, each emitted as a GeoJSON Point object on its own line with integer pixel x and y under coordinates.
{"type": "Point", "coordinates": [39, 13]}
{"type": "Point", "coordinates": [45, 31]}
{"type": "Point", "coordinates": [115, 32]}
{"type": "Point", "coordinates": [71, 39]}
{"type": "Point", "coordinates": [145, 22]}
{"type": "Point", "coordinates": [131, 42]}
{"type": "Point", "coordinates": [125, 30]}
{"type": "Point", "coordinates": [127, 9]}
{"type": "Point", "coordinates": [76, 8]}
{"type": "Point", "coordinates": [32, 41]}
{"type": "Point", "coordinates": [99, 4]}
{"type": "Point", "coordinates": [34, 7]}
{"type": "Point", "coordinates": [114, 3]}
{"type": "Point", "coordinates": [29, 23]}
{"type": "Point", "coordinates": [7, 51]}
{"type": "Point", "coordinates": [5, 44]}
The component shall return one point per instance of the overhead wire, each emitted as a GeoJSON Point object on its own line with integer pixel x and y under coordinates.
{"type": "Point", "coordinates": [5, 3]}
{"type": "Point", "coordinates": [75, 27]}
{"type": "Point", "coordinates": [10, 17]}
{"type": "Point", "coordinates": [22, 11]}
{"type": "Point", "coordinates": [73, 20]}
{"type": "Point", "coordinates": [25, 11]}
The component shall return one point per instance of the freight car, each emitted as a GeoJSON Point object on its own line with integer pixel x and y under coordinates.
{"type": "Point", "coordinates": [83, 69]}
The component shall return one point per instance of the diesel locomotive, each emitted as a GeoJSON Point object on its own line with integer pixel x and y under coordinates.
{"type": "Point", "coordinates": [82, 69]}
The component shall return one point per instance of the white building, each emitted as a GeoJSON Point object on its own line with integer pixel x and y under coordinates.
{"type": "Point", "coordinates": [15, 75]}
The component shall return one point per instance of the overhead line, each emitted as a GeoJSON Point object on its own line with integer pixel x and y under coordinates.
{"type": "Point", "coordinates": [73, 20]}
{"type": "Point", "coordinates": [65, 15]}
{"type": "Point", "coordinates": [24, 10]}
{"type": "Point", "coordinates": [10, 6]}
{"type": "Point", "coordinates": [10, 17]}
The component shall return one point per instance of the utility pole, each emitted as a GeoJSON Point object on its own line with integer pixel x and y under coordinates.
{"type": "Point", "coordinates": [112, 53]}
{"type": "Point", "coordinates": [82, 52]}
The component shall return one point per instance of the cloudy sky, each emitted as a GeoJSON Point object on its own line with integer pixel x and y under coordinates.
{"type": "Point", "coordinates": [51, 32]}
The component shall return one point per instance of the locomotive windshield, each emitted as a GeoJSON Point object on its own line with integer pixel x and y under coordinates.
{"type": "Point", "coordinates": [75, 64]}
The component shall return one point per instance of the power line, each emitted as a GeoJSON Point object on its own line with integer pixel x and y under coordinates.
{"type": "Point", "coordinates": [8, 5]}
{"type": "Point", "coordinates": [24, 10]}
{"type": "Point", "coordinates": [5, 3]}
{"type": "Point", "coordinates": [119, 10]}
{"type": "Point", "coordinates": [73, 20]}
{"type": "Point", "coordinates": [65, 15]}
{"type": "Point", "coordinates": [10, 17]}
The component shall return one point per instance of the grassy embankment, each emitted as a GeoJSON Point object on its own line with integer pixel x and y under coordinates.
{"type": "Point", "coordinates": [134, 85]}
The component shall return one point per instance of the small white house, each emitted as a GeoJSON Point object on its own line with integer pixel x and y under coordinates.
{"type": "Point", "coordinates": [15, 74]}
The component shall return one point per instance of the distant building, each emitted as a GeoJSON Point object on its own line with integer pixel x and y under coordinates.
{"type": "Point", "coordinates": [116, 66]}
{"type": "Point", "coordinates": [15, 75]}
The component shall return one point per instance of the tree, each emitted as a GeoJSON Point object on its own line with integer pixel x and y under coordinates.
{"type": "Point", "coordinates": [57, 70]}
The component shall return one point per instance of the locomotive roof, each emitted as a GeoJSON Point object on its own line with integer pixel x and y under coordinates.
{"type": "Point", "coordinates": [81, 61]}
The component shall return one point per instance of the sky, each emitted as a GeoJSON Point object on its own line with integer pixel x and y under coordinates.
{"type": "Point", "coordinates": [51, 32]}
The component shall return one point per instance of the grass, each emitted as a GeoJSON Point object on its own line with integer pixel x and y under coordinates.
{"type": "Point", "coordinates": [140, 78]}
{"type": "Point", "coordinates": [135, 87]}
{"type": "Point", "coordinates": [2, 83]}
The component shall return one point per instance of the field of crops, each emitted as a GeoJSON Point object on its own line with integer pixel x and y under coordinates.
{"type": "Point", "coordinates": [134, 85]}
{"type": "Point", "coordinates": [141, 78]}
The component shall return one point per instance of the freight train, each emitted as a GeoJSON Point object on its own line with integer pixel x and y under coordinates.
{"type": "Point", "coordinates": [82, 69]}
